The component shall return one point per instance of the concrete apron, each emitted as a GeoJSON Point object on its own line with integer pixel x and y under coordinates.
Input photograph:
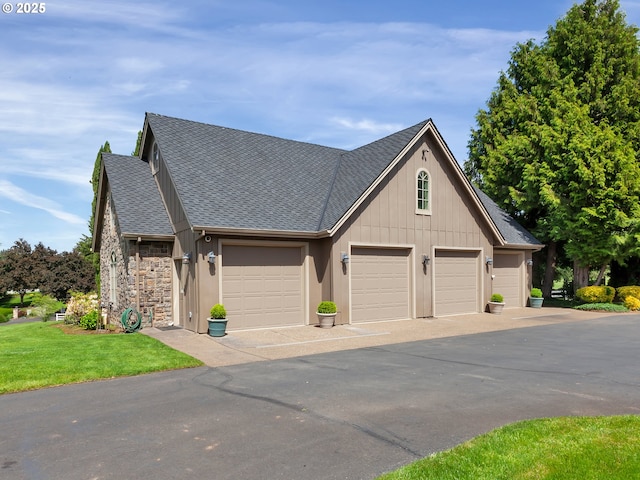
{"type": "Point", "coordinates": [245, 346]}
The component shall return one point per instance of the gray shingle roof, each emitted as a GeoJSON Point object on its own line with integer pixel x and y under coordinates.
{"type": "Point", "coordinates": [229, 178]}
{"type": "Point", "coordinates": [359, 168]}
{"type": "Point", "coordinates": [135, 195]}
{"type": "Point", "coordinates": [510, 229]}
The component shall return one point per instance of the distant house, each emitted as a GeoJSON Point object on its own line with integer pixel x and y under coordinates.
{"type": "Point", "coordinates": [270, 227]}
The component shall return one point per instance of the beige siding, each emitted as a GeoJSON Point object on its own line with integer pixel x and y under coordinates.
{"type": "Point", "coordinates": [389, 216]}
{"type": "Point", "coordinates": [320, 268]}
{"type": "Point", "coordinates": [208, 293]}
{"type": "Point", "coordinates": [191, 316]}
{"type": "Point", "coordinates": [170, 196]}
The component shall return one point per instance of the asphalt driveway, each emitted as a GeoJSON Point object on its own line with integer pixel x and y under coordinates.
{"type": "Point", "coordinates": [341, 415]}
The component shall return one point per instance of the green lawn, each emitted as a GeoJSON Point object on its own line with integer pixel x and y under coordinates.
{"type": "Point", "coordinates": [568, 448]}
{"type": "Point", "coordinates": [36, 355]}
{"type": "Point", "coordinates": [7, 303]}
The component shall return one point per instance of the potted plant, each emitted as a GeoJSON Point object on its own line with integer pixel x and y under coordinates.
{"type": "Point", "coordinates": [217, 321]}
{"type": "Point", "coordinates": [327, 311]}
{"type": "Point", "coordinates": [535, 298]}
{"type": "Point", "coordinates": [496, 304]}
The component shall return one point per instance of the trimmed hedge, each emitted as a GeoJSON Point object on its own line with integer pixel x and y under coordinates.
{"type": "Point", "coordinates": [628, 291]}
{"type": "Point", "coordinates": [632, 303]}
{"type": "Point", "coordinates": [596, 294]}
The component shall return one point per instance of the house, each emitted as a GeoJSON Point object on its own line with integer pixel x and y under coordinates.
{"type": "Point", "coordinates": [270, 227]}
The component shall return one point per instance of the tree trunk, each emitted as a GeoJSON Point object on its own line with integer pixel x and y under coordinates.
{"type": "Point", "coordinates": [603, 268]}
{"type": "Point", "coordinates": [580, 276]}
{"type": "Point", "coordinates": [550, 270]}
{"type": "Point", "coordinates": [21, 293]}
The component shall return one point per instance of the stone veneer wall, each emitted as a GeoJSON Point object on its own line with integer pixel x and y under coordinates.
{"type": "Point", "coordinates": [155, 275]}
{"type": "Point", "coordinates": [110, 244]}
{"type": "Point", "coordinates": [155, 279]}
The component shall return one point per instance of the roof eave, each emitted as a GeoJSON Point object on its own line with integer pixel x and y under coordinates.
{"type": "Point", "coordinates": [148, 237]}
{"type": "Point", "coordinates": [98, 214]}
{"type": "Point", "coordinates": [534, 247]}
{"type": "Point", "coordinates": [251, 232]}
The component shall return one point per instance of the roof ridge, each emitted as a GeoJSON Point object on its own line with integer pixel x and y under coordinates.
{"type": "Point", "coordinates": [238, 130]}
{"type": "Point", "coordinates": [329, 191]}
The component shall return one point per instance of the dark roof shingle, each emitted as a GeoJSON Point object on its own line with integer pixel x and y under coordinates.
{"type": "Point", "coordinates": [136, 197]}
{"type": "Point", "coordinates": [227, 178]}
{"type": "Point", "coordinates": [510, 229]}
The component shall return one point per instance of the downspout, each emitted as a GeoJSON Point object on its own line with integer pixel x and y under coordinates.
{"type": "Point", "coordinates": [138, 274]}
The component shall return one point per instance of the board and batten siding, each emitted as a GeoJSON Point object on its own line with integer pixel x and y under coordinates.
{"type": "Point", "coordinates": [388, 218]}
{"type": "Point", "coordinates": [169, 195]}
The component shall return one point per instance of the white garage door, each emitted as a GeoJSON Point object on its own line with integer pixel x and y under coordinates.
{"type": "Point", "coordinates": [456, 282]}
{"type": "Point", "coordinates": [507, 271]}
{"type": "Point", "coordinates": [262, 286]}
{"type": "Point", "coordinates": [379, 284]}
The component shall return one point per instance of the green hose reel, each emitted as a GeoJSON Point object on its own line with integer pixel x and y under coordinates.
{"type": "Point", "coordinates": [131, 320]}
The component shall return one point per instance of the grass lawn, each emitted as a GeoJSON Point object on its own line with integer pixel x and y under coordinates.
{"type": "Point", "coordinates": [580, 448]}
{"type": "Point", "coordinates": [9, 301]}
{"type": "Point", "coordinates": [36, 355]}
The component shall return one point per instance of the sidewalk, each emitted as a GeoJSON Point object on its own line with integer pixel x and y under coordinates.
{"type": "Point", "coordinates": [247, 346]}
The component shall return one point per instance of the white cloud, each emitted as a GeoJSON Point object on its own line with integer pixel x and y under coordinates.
{"type": "Point", "coordinates": [23, 197]}
{"type": "Point", "coordinates": [367, 125]}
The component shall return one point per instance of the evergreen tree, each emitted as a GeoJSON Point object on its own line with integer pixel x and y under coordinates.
{"type": "Point", "coordinates": [556, 146]}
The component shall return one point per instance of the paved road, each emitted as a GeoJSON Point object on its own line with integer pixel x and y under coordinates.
{"type": "Point", "coordinates": [343, 415]}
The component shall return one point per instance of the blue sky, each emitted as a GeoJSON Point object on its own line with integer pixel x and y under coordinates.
{"type": "Point", "coordinates": [336, 73]}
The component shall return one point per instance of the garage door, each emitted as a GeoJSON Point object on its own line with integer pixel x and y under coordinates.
{"type": "Point", "coordinates": [262, 286]}
{"type": "Point", "coordinates": [507, 271]}
{"type": "Point", "coordinates": [456, 282]}
{"type": "Point", "coordinates": [379, 284]}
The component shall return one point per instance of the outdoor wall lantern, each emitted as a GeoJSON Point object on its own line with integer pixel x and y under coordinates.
{"type": "Point", "coordinates": [530, 263]}
{"type": "Point", "coordinates": [211, 257]}
{"type": "Point", "coordinates": [425, 260]}
{"type": "Point", "coordinates": [186, 258]}
{"type": "Point", "coordinates": [344, 258]}
{"type": "Point", "coordinates": [488, 260]}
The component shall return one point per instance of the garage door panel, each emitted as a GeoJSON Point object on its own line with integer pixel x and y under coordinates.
{"type": "Point", "coordinates": [507, 271]}
{"type": "Point", "coordinates": [262, 286]}
{"type": "Point", "coordinates": [379, 284]}
{"type": "Point", "coordinates": [456, 282]}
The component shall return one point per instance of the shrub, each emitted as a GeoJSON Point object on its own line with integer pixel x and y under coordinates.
{"type": "Point", "coordinates": [218, 312]}
{"type": "Point", "coordinates": [602, 307]}
{"type": "Point", "coordinates": [536, 293]}
{"type": "Point", "coordinates": [45, 306]}
{"type": "Point", "coordinates": [498, 298]}
{"type": "Point", "coordinates": [80, 304]}
{"type": "Point", "coordinates": [90, 320]}
{"type": "Point", "coordinates": [632, 303]}
{"type": "Point", "coordinates": [327, 307]}
{"type": "Point", "coordinates": [628, 291]}
{"type": "Point", "coordinates": [596, 294]}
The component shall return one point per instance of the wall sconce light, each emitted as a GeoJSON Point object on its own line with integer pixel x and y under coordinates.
{"type": "Point", "coordinates": [344, 258]}
{"type": "Point", "coordinates": [425, 260]}
{"type": "Point", "coordinates": [488, 260]}
{"type": "Point", "coordinates": [211, 257]}
{"type": "Point", "coordinates": [186, 258]}
{"type": "Point", "coordinates": [529, 263]}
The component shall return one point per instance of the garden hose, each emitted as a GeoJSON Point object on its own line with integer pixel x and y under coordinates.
{"type": "Point", "coordinates": [131, 320]}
